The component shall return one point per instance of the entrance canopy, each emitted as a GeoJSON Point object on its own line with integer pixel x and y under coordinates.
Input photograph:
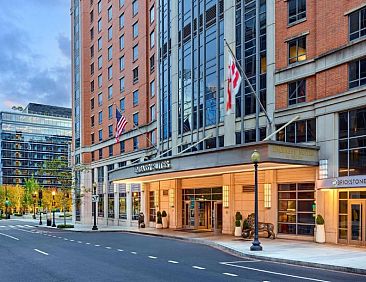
{"type": "Point", "coordinates": [274, 155]}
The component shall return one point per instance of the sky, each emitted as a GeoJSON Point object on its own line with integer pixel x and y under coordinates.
{"type": "Point", "coordinates": [35, 64]}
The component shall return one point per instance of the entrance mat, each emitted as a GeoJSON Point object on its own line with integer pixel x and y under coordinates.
{"type": "Point", "coordinates": [194, 230]}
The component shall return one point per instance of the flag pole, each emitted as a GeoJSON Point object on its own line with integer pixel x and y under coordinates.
{"type": "Point", "coordinates": [247, 80]}
{"type": "Point", "coordinates": [135, 127]}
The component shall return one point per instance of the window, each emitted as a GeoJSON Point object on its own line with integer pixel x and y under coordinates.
{"type": "Point", "coordinates": [152, 39]}
{"type": "Point", "coordinates": [100, 25]}
{"type": "Point", "coordinates": [100, 99]}
{"type": "Point", "coordinates": [357, 24]}
{"type": "Point", "coordinates": [136, 119]}
{"type": "Point", "coordinates": [100, 134]}
{"type": "Point", "coordinates": [92, 33]}
{"type": "Point", "coordinates": [100, 43]}
{"type": "Point", "coordinates": [297, 50]}
{"type": "Point", "coordinates": [100, 81]}
{"type": "Point", "coordinates": [110, 130]}
{"type": "Point", "coordinates": [91, 16]}
{"type": "Point", "coordinates": [135, 29]}
{"type": "Point", "coordinates": [122, 146]}
{"type": "Point", "coordinates": [100, 62]}
{"type": "Point", "coordinates": [100, 117]}
{"type": "Point", "coordinates": [100, 153]}
{"type": "Point", "coordinates": [152, 63]}
{"type": "Point", "coordinates": [92, 69]}
{"type": "Point", "coordinates": [297, 92]}
{"type": "Point", "coordinates": [99, 6]}
{"type": "Point", "coordinates": [298, 132]}
{"type": "Point", "coordinates": [352, 145]}
{"type": "Point", "coordinates": [135, 143]}
{"type": "Point", "coordinates": [110, 112]}
{"type": "Point", "coordinates": [357, 73]}
{"type": "Point", "coordinates": [110, 33]}
{"type": "Point", "coordinates": [122, 205]}
{"type": "Point", "coordinates": [122, 105]}
{"type": "Point", "coordinates": [296, 208]}
{"type": "Point", "coordinates": [152, 113]}
{"type": "Point", "coordinates": [92, 121]}
{"type": "Point", "coordinates": [110, 73]}
{"type": "Point", "coordinates": [122, 84]}
{"type": "Point", "coordinates": [110, 149]}
{"type": "Point", "coordinates": [296, 10]}
{"type": "Point", "coordinates": [110, 53]}
{"type": "Point", "coordinates": [135, 98]}
{"type": "Point", "coordinates": [153, 137]}
{"type": "Point", "coordinates": [110, 92]}
{"type": "Point", "coordinates": [121, 3]}
{"type": "Point", "coordinates": [92, 51]}
{"type": "Point", "coordinates": [122, 42]}
{"type": "Point", "coordinates": [135, 73]}
{"type": "Point", "coordinates": [152, 88]}
{"type": "Point", "coordinates": [121, 21]}
{"type": "Point", "coordinates": [92, 138]}
{"type": "Point", "coordinates": [136, 204]}
{"type": "Point", "coordinates": [92, 86]}
{"type": "Point", "coordinates": [135, 52]}
{"type": "Point", "coordinates": [122, 63]}
{"type": "Point", "coordinates": [135, 7]}
{"type": "Point", "coordinates": [152, 14]}
{"type": "Point", "coordinates": [110, 13]}
{"type": "Point", "coordinates": [101, 205]}
{"type": "Point", "coordinates": [92, 103]}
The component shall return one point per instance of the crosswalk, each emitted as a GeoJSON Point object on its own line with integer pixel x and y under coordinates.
{"type": "Point", "coordinates": [17, 226]}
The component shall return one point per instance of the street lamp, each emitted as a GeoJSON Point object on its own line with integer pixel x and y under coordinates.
{"type": "Point", "coordinates": [7, 202]}
{"type": "Point", "coordinates": [94, 206]}
{"type": "Point", "coordinates": [34, 204]}
{"type": "Point", "coordinates": [53, 208]}
{"type": "Point", "coordinates": [40, 205]}
{"type": "Point", "coordinates": [256, 245]}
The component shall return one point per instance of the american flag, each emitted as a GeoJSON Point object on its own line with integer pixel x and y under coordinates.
{"type": "Point", "coordinates": [233, 80]}
{"type": "Point", "coordinates": [121, 124]}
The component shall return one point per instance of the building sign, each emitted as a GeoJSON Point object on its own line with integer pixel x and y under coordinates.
{"type": "Point", "coordinates": [343, 182]}
{"type": "Point", "coordinates": [292, 153]}
{"type": "Point", "coordinates": [162, 165]}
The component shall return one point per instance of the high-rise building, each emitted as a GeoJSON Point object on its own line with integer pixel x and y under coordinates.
{"type": "Point", "coordinates": [301, 105]}
{"type": "Point", "coordinates": [30, 137]}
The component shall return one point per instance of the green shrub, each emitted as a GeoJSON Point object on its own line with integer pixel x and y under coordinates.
{"type": "Point", "coordinates": [65, 226]}
{"type": "Point", "coordinates": [319, 220]}
{"type": "Point", "coordinates": [238, 216]}
{"type": "Point", "coordinates": [246, 224]}
{"type": "Point", "coordinates": [159, 221]}
{"type": "Point", "coordinates": [237, 223]}
{"type": "Point", "coordinates": [164, 214]}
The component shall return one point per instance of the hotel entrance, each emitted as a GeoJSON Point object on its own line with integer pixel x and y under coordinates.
{"type": "Point", "coordinates": [202, 209]}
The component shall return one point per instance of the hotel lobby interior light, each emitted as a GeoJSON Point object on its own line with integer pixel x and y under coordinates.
{"type": "Point", "coordinates": [267, 195]}
{"type": "Point", "coordinates": [225, 196]}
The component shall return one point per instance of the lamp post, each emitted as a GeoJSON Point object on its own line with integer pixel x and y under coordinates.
{"type": "Point", "coordinates": [53, 209]}
{"type": "Point", "coordinates": [7, 216]}
{"type": "Point", "coordinates": [34, 204]}
{"type": "Point", "coordinates": [256, 245]}
{"type": "Point", "coordinates": [95, 207]}
{"type": "Point", "coordinates": [40, 205]}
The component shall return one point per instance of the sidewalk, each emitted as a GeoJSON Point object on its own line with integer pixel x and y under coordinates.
{"type": "Point", "coordinates": [326, 256]}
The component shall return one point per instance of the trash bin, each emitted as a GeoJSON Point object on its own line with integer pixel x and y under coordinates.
{"type": "Point", "coordinates": [49, 222]}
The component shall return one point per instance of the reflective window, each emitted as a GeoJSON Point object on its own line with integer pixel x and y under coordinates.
{"type": "Point", "coordinates": [152, 14]}
{"type": "Point", "coordinates": [100, 25]}
{"type": "Point", "coordinates": [110, 131]}
{"type": "Point", "coordinates": [296, 10]}
{"type": "Point", "coordinates": [110, 53]}
{"type": "Point", "coordinates": [297, 50]}
{"type": "Point", "coordinates": [122, 63]}
{"type": "Point", "coordinates": [110, 73]}
{"type": "Point", "coordinates": [121, 21]}
{"type": "Point", "coordinates": [135, 98]}
{"type": "Point", "coordinates": [100, 62]}
{"type": "Point", "coordinates": [110, 33]}
{"type": "Point", "coordinates": [100, 43]}
{"type": "Point", "coordinates": [122, 105]}
{"type": "Point", "coordinates": [100, 117]}
{"type": "Point", "coordinates": [298, 132]}
{"type": "Point", "coordinates": [110, 92]}
{"type": "Point", "coordinates": [135, 143]}
{"type": "Point", "coordinates": [110, 13]}
{"type": "Point", "coordinates": [122, 42]}
{"type": "Point", "coordinates": [152, 88]}
{"type": "Point", "coordinates": [136, 119]}
{"type": "Point", "coordinates": [152, 39]}
{"type": "Point", "coordinates": [100, 99]}
{"type": "Point", "coordinates": [122, 84]}
{"type": "Point", "coordinates": [100, 134]}
{"type": "Point", "coordinates": [357, 24]}
{"type": "Point", "coordinates": [135, 52]}
{"type": "Point", "coordinates": [135, 7]}
{"type": "Point", "coordinates": [110, 112]}
{"type": "Point", "coordinates": [357, 73]}
{"type": "Point", "coordinates": [135, 29]}
{"type": "Point", "coordinates": [297, 92]}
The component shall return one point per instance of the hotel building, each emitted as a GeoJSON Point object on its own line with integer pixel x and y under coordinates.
{"type": "Point", "coordinates": [305, 59]}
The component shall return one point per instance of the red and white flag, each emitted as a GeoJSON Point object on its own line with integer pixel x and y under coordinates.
{"type": "Point", "coordinates": [121, 124]}
{"type": "Point", "coordinates": [233, 84]}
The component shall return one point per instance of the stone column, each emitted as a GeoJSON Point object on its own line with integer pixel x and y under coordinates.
{"type": "Point", "coordinates": [129, 204]}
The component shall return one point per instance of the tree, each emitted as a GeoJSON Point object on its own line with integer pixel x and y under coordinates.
{"type": "Point", "coordinates": [30, 187]}
{"type": "Point", "coordinates": [59, 170]}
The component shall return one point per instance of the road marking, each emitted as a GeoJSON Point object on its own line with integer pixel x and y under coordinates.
{"type": "Point", "coordinates": [9, 236]}
{"type": "Point", "coordinates": [29, 226]}
{"type": "Point", "coordinates": [120, 250]}
{"type": "Point", "coordinates": [97, 245]}
{"type": "Point", "coordinates": [66, 239]}
{"type": "Point", "coordinates": [80, 242]}
{"type": "Point", "coordinates": [172, 261]}
{"type": "Point", "coordinates": [198, 267]}
{"type": "Point", "coordinates": [152, 257]}
{"type": "Point", "coordinates": [54, 236]}
{"type": "Point", "coordinates": [59, 237]}
{"type": "Point", "coordinates": [87, 243]}
{"type": "Point", "coordinates": [241, 261]}
{"type": "Point", "coordinates": [134, 253]}
{"type": "Point", "coordinates": [108, 248]}
{"type": "Point", "coordinates": [71, 240]}
{"type": "Point", "coordinates": [41, 252]}
{"type": "Point", "coordinates": [275, 273]}
{"type": "Point", "coordinates": [230, 274]}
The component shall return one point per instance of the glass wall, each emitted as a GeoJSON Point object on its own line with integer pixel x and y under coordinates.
{"type": "Point", "coordinates": [152, 210]}
{"type": "Point", "coordinates": [122, 206]}
{"type": "Point", "coordinates": [136, 205]}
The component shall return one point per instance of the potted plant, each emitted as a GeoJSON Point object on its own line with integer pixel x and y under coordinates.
{"type": "Point", "coordinates": [159, 222]}
{"type": "Point", "coordinates": [320, 232]}
{"type": "Point", "coordinates": [238, 218]}
{"type": "Point", "coordinates": [164, 219]}
{"type": "Point", "coordinates": [246, 228]}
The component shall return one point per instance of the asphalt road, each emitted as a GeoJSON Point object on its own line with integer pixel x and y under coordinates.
{"type": "Point", "coordinates": [31, 253]}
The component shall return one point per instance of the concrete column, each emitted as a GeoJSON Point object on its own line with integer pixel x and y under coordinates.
{"type": "Point", "coordinates": [143, 198]}
{"type": "Point", "coordinates": [228, 212]}
{"type": "Point", "coordinates": [116, 202]}
{"type": "Point", "coordinates": [129, 204]}
{"type": "Point", "coordinates": [86, 192]}
{"type": "Point", "coordinates": [105, 193]}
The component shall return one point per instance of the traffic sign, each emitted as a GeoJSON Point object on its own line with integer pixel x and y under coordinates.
{"type": "Point", "coordinates": [95, 198]}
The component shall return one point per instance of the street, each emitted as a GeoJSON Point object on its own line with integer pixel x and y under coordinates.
{"type": "Point", "coordinates": [31, 253]}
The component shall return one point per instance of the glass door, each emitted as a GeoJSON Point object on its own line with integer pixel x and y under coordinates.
{"type": "Point", "coordinates": [217, 216]}
{"type": "Point", "coordinates": [356, 232]}
{"type": "Point", "coordinates": [189, 214]}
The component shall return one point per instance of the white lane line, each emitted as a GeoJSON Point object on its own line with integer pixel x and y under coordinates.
{"type": "Point", "coordinates": [54, 236]}
{"type": "Point", "coordinates": [230, 274]}
{"type": "Point", "coordinates": [134, 253]}
{"type": "Point", "coordinates": [276, 273]}
{"type": "Point", "coordinates": [152, 257]}
{"type": "Point", "coordinates": [66, 239]}
{"type": "Point", "coordinates": [120, 250]}
{"type": "Point", "coordinates": [80, 242]}
{"type": "Point", "coordinates": [59, 237]}
{"type": "Point", "coordinates": [29, 226]}
{"type": "Point", "coordinates": [172, 261]}
{"type": "Point", "coordinates": [198, 267]}
{"type": "Point", "coordinates": [71, 240]}
{"type": "Point", "coordinates": [87, 243]}
{"type": "Point", "coordinates": [9, 236]}
{"type": "Point", "coordinates": [241, 261]}
{"type": "Point", "coordinates": [108, 248]}
{"type": "Point", "coordinates": [44, 253]}
{"type": "Point", "coordinates": [97, 245]}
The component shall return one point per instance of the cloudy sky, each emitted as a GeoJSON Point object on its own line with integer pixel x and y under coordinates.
{"type": "Point", "coordinates": [34, 52]}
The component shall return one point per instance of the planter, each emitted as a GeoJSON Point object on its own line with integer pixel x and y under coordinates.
{"type": "Point", "coordinates": [320, 234]}
{"type": "Point", "coordinates": [159, 226]}
{"type": "Point", "coordinates": [165, 222]}
{"type": "Point", "coordinates": [237, 231]}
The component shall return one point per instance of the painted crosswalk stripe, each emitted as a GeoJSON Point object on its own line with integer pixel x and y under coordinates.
{"type": "Point", "coordinates": [172, 261]}
{"type": "Point", "coordinates": [134, 253]}
{"type": "Point", "coordinates": [9, 236]}
{"type": "Point", "coordinates": [97, 245]}
{"type": "Point", "coordinates": [198, 267]}
{"type": "Point", "coordinates": [230, 274]}
{"type": "Point", "coordinates": [44, 253]}
{"type": "Point", "coordinates": [152, 257]}
{"type": "Point", "coordinates": [87, 243]}
{"type": "Point", "coordinates": [80, 242]}
{"type": "Point", "coordinates": [120, 250]}
{"type": "Point", "coordinates": [108, 248]}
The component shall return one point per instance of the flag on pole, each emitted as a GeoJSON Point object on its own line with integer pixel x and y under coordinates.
{"type": "Point", "coordinates": [121, 124]}
{"type": "Point", "coordinates": [233, 83]}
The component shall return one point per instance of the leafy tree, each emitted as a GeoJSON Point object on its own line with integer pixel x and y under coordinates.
{"type": "Point", "coordinates": [31, 186]}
